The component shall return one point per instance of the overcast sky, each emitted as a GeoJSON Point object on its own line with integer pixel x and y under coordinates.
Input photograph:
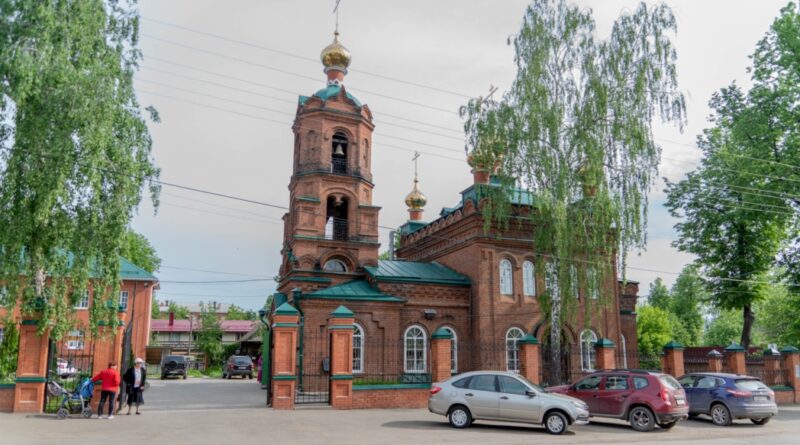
{"type": "Point", "coordinates": [227, 105]}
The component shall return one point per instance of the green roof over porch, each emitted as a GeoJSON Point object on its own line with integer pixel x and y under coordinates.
{"type": "Point", "coordinates": [354, 291]}
{"type": "Point", "coordinates": [414, 272]}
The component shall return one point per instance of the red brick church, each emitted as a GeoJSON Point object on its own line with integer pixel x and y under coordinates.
{"type": "Point", "coordinates": [448, 273]}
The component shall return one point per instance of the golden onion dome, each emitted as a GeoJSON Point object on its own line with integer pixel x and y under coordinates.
{"type": "Point", "coordinates": [416, 200]}
{"type": "Point", "coordinates": [335, 56]}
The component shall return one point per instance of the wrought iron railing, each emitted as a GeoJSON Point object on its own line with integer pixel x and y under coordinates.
{"type": "Point", "coordinates": [339, 166]}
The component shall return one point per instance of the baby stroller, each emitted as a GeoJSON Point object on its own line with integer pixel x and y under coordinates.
{"type": "Point", "coordinates": [73, 402]}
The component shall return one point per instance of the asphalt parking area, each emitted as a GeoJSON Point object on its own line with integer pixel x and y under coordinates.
{"type": "Point", "coordinates": [214, 411]}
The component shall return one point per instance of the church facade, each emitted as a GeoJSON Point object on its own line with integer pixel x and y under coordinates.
{"type": "Point", "coordinates": [481, 286]}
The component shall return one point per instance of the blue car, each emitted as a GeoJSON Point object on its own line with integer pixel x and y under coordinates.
{"type": "Point", "coordinates": [726, 397]}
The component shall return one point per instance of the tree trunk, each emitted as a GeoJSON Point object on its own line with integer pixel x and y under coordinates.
{"type": "Point", "coordinates": [747, 326]}
{"type": "Point", "coordinates": [554, 365]}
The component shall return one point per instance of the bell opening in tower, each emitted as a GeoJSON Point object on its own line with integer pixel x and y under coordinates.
{"type": "Point", "coordinates": [336, 219]}
{"type": "Point", "coordinates": [339, 154]}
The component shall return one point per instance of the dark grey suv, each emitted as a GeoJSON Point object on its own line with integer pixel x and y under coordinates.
{"type": "Point", "coordinates": [240, 365]}
{"type": "Point", "coordinates": [173, 366]}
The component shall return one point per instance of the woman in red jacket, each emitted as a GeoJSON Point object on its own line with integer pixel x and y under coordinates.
{"type": "Point", "coordinates": [110, 379]}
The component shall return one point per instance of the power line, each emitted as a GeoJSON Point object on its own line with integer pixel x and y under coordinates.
{"type": "Point", "coordinates": [310, 59]}
{"type": "Point", "coordinates": [218, 272]}
{"type": "Point", "coordinates": [216, 281]}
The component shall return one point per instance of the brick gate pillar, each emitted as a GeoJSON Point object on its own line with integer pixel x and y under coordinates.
{"type": "Point", "coordinates": [441, 344]}
{"type": "Point", "coordinates": [734, 359]}
{"type": "Point", "coordinates": [31, 369]}
{"type": "Point", "coordinates": [340, 326]}
{"type": "Point", "coordinates": [772, 367]}
{"type": "Point", "coordinates": [673, 359]}
{"type": "Point", "coordinates": [714, 361]}
{"type": "Point", "coordinates": [791, 369]}
{"type": "Point", "coordinates": [604, 348]}
{"type": "Point", "coordinates": [529, 359]}
{"type": "Point", "coordinates": [284, 356]}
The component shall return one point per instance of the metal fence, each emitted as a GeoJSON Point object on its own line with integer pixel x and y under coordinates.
{"type": "Point", "coordinates": [69, 361]}
{"type": "Point", "coordinates": [391, 362]}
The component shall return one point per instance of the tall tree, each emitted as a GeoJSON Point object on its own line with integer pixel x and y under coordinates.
{"type": "Point", "coordinates": [575, 130]}
{"type": "Point", "coordinates": [75, 152]}
{"type": "Point", "coordinates": [659, 295]}
{"type": "Point", "coordinates": [209, 335]}
{"type": "Point", "coordinates": [738, 207]}
{"type": "Point", "coordinates": [237, 313]}
{"type": "Point", "coordinates": [138, 250]}
{"type": "Point", "coordinates": [687, 298]}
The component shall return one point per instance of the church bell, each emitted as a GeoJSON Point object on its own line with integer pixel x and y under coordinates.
{"type": "Point", "coordinates": [339, 150]}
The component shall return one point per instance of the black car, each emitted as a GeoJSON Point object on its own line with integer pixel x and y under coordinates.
{"type": "Point", "coordinates": [173, 366]}
{"type": "Point", "coordinates": [240, 365]}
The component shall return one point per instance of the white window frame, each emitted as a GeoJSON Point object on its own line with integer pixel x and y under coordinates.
{"type": "Point", "coordinates": [415, 363]}
{"type": "Point", "coordinates": [123, 297]}
{"type": "Point", "coordinates": [336, 261]}
{"type": "Point", "coordinates": [506, 270]}
{"type": "Point", "coordinates": [624, 347]}
{"type": "Point", "coordinates": [358, 345]}
{"type": "Point", "coordinates": [83, 303]}
{"type": "Point", "coordinates": [588, 355]}
{"type": "Point", "coordinates": [592, 284]}
{"type": "Point", "coordinates": [75, 340]}
{"type": "Point", "coordinates": [528, 278]}
{"type": "Point", "coordinates": [512, 348]}
{"type": "Point", "coordinates": [453, 350]}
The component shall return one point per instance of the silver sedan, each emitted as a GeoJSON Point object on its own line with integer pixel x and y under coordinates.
{"type": "Point", "coordinates": [506, 397]}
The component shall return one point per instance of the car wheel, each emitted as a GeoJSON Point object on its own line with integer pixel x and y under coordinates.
{"type": "Point", "coordinates": [229, 377]}
{"type": "Point", "coordinates": [250, 376]}
{"type": "Point", "coordinates": [459, 417]}
{"type": "Point", "coordinates": [184, 376]}
{"type": "Point", "coordinates": [721, 415]}
{"type": "Point", "coordinates": [62, 413]}
{"type": "Point", "coordinates": [668, 425]}
{"type": "Point", "coordinates": [555, 423]}
{"type": "Point", "coordinates": [642, 419]}
{"type": "Point", "coordinates": [86, 412]}
{"type": "Point", "coordinates": [163, 377]}
{"type": "Point", "coordinates": [762, 421]}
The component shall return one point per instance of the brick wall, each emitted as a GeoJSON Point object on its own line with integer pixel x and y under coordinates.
{"type": "Point", "coordinates": [6, 398]}
{"type": "Point", "coordinates": [785, 397]}
{"type": "Point", "coordinates": [390, 398]}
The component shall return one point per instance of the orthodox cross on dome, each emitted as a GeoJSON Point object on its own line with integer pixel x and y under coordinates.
{"type": "Point", "coordinates": [416, 156]}
{"type": "Point", "coordinates": [416, 200]}
{"type": "Point", "coordinates": [335, 57]}
{"type": "Point", "coordinates": [336, 11]}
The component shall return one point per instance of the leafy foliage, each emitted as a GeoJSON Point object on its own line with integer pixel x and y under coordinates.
{"type": "Point", "coordinates": [659, 295]}
{"type": "Point", "coordinates": [237, 313]}
{"type": "Point", "coordinates": [778, 315]}
{"type": "Point", "coordinates": [724, 329]}
{"type": "Point", "coordinates": [9, 349]}
{"type": "Point", "coordinates": [738, 207]}
{"type": "Point", "coordinates": [138, 250]}
{"type": "Point", "coordinates": [75, 152]}
{"type": "Point", "coordinates": [575, 131]}
{"type": "Point", "coordinates": [688, 296]}
{"type": "Point", "coordinates": [655, 327]}
{"type": "Point", "coordinates": [209, 336]}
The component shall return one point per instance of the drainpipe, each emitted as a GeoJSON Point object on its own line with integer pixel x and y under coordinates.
{"type": "Point", "coordinates": [297, 295]}
{"type": "Point", "coordinates": [265, 358]}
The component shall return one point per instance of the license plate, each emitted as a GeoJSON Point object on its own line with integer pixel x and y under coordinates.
{"type": "Point", "coordinates": [681, 402]}
{"type": "Point", "coordinates": [760, 398]}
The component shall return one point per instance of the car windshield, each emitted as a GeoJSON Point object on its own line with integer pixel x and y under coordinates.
{"type": "Point", "coordinates": [531, 384]}
{"type": "Point", "coordinates": [669, 381]}
{"type": "Point", "coordinates": [242, 360]}
{"type": "Point", "coordinates": [750, 384]}
{"type": "Point", "coordinates": [177, 358]}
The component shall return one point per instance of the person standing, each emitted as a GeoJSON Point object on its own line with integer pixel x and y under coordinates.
{"type": "Point", "coordinates": [135, 378]}
{"type": "Point", "coordinates": [110, 385]}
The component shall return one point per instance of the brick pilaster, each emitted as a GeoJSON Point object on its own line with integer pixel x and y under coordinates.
{"type": "Point", "coordinates": [734, 359]}
{"type": "Point", "coordinates": [441, 342]}
{"type": "Point", "coordinates": [340, 326]}
{"type": "Point", "coordinates": [791, 369]}
{"type": "Point", "coordinates": [714, 361]}
{"type": "Point", "coordinates": [284, 356]}
{"type": "Point", "coordinates": [529, 358]}
{"type": "Point", "coordinates": [31, 369]}
{"type": "Point", "coordinates": [673, 359]}
{"type": "Point", "coordinates": [605, 354]}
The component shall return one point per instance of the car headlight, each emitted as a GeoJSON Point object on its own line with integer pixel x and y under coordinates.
{"type": "Point", "coordinates": [581, 405]}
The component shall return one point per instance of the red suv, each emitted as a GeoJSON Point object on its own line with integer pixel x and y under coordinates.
{"type": "Point", "coordinates": [643, 398]}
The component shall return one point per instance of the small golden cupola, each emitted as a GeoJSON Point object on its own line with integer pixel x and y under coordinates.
{"type": "Point", "coordinates": [336, 58]}
{"type": "Point", "coordinates": [416, 200]}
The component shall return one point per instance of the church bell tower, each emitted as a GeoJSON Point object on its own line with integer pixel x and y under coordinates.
{"type": "Point", "coordinates": [331, 229]}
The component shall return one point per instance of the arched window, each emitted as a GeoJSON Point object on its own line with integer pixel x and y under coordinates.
{"type": "Point", "coordinates": [414, 350]}
{"type": "Point", "coordinates": [358, 349]}
{"type": "Point", "coordinates": [592, 283]}
{"type": "Point", "coordinates": [551, 280]}
{"type": "Point", "coordinates": [512, 349]}
{"type": "Point", "coordinates": [624, 347]}
{"type": "Point", "coordinates": [588, 359]}
{"type": "Point", "coordinates": [573, 281]}
{"type": "Point", "coordinates": [339, 153]}
{"type": "Point", "coordinates": [529, 279]}
{"type": "Point", "coordinates": [335, 265]}
{"type": "Point", "coordinates": [506, 278]}
{"type": "Point", "coordinates": [453, 350]}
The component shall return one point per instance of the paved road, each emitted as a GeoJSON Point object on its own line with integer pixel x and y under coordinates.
{"type": "Point", "coordinates": [214, 411]}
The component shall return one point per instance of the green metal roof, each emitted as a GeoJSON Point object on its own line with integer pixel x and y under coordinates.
{"type": "Point", "coordinates": [411, 227]}
{"type": "Point", "coordinates": [353, 290]}
{"type": "Point", "coordinates": [409, 271]}
{"type": "Point", "coordinates": [130, 271]}
{"type": "Point", "coordinates": [328, 92]}
{"type": "Point", "coordinates": [516, 197]}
